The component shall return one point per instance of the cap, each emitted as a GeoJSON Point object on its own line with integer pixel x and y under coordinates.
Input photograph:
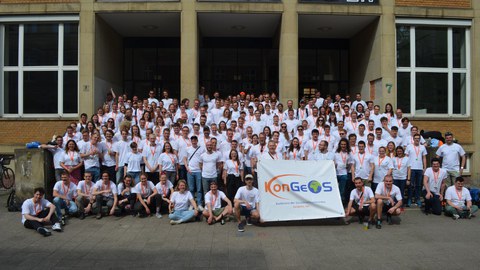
{"type": "Point", "coordinates": [248, 176]}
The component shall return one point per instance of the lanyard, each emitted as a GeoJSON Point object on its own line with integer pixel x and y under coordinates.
{"type": "Point", "coordinates": [172, 159]}
{"type": "Point", "coordinates": [274, 158]}
{"type": "Point", "coordinates": [417, 151]}
{"type": "Point", "coordinates": [361, 159]}
{"type": "Point", "coordinates": [152, 150]}
{"type": "Point", "coordinates": [435, 176]}
{"type": "Point", "coordinates": [314, 145]}
{"type": "Point", "coordinates": [344, 158]}
{"type": "Point", "coordinates": [187, 142]}
{"type": "Point", "coordinates": [389, 191]}
{"type": "Point", "coordinates": [37, 211]}
{"type": "Point", "coordinates": [236, 165]}
{"type": "Point", "coordinates": [380, 161]}
{"type": "Point", "coordinates": [370, 150]}
{"type": "Point", "coordinates": [360, 196]}
{"type": "Point", "coordinates": [87, 188]}
{"type": "Point", "coordinates": [459, 195]}
{"type": "Point", "coordinates": [144, 189]}
{"type": "Point", "coordinates": [65, 189]}
{"type": "Point", "coordinates": [214, 200]}
{"type": "Point", "coordinates": [164, 190]}
{"type": "Point", "coordinates": [399, 162]}
{"type": "Point", "coordinates": [294, 154]}
{"type": "Point", "coordinates": [71, 154]}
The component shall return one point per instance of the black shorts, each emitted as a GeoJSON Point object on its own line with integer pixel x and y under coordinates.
{"type": "Point", "coordinates": [365, 209]}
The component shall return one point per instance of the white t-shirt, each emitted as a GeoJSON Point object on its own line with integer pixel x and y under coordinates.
{"type": "Point", "coordinates": [108, 160]}
{"type": "Point", "coordinates": [151, 154]}
{"type": "Point", "coordinates": [295, 154]}
{"type": "Point", "coordinates": [99, 185]}
{"type": "Point", "coordinates": [415, 156]}
{"type": "Point", "coordinates": [451, 156]}
{"type": "Point", "coordinates": [32, 209]}
{"type": "Point", "coordinates": [342, 161]}
{"type": "Point", "coordinates": [317, 155]}
{"type": "Point", "coordinates": [362, 164]}
{"type": "Point", "coordinates": [164, 190]}
{"type": "Point", "coordinates": [381, 167]}
{"type": "Point", "coordinates": [394, 192]}
{"type": "Point", "coordinates": [134, 161]}
{"type": "Point", "coordinates": [266, 155]}
{"type": "Point", "coordinates": [400, 168]}
{"type": "Point", "coordinates": [233, 167]}
{"type": "Point", "coordinates": [144, 190]}
{"type": "Point", "coordinates": [84, 188]}
{"type": "Point", "coordinates": [209, 164]}
{"type": "Point", "coordinates": [181, 201]}
{"type": "Point", "coordinates": [367, 195]}
{"type": "Point", "coordinates": [435, 180]}
{"type": "Point", "coordinates": [120, 189]}
{"type": "Point", "coordinates": [168, 162]}
{"type": "Point", "coordinates": [69, 191]}
{"type": "Point", "coordinates": [193, 157]}
{"type": "Point", "coordinates": [214, 201]}
{"type": "Point", "coordinates": [456, 198]}
{"type": "Point", "coordinates": [252, 196]}
{"type": "Point", "coordinates": [121, 148]}
{"type": "Point", "coordinates": [72, 158]}
{"type": "Point", "coordinates": [94, 160]}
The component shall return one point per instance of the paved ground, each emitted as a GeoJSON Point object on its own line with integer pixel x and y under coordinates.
{"type": "Point", "coordinates": [419, 242]}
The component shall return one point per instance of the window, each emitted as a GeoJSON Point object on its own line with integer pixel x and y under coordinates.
{"type": "Point", "coordinates": [39, 70]}
{"type": "Point", "coordinates": [433, 67]}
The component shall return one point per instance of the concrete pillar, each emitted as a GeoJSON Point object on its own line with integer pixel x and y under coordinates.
{"type": "Point", "coordinates": [387, 93]}
{"type": "Point", "coordinates": [188, 51]}
{"type": "Point", "coordinates": [87, 59]}
{"type": "Point", "coordinates": [288, 53]}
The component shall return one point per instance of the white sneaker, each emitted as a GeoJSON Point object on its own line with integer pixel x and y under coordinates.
{"type": "Point", "coordinates": [175, 222]}
{"type": "Point", "coordinates": [158, 215]}
{"type": "Point", "coordinates": [57, 227]}
{"type": "Point", "coordinates": [200, 208]}
{"type": "Point", "coordinates": [456, 216]}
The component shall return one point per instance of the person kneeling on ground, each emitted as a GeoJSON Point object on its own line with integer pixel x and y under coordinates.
{"type": "Point", "coordinates": [105, 193]}
{"type": "Point", "coordinates": [433, 187]}
{"type": "Point", "coordinates": [85, 196]}
{"type": "Point", "coordinates": [459, 201]}
{"type": "Point", "coordinates": [214, 211]}
{"type": "Point", "coordinates": [37, 212]}
{"type": "Point", "coordinates": [146, 193]}
{"type": "Point", "coordinates": [247, 203]}
{"type": "Point", "coordinates": [64, 193]}
{"type": "Point", "coordinates": [389, 200]}
{"type": "Point", "coordinates": [180, 201]}
{"type": "Point", "coordinates": [362, 203]}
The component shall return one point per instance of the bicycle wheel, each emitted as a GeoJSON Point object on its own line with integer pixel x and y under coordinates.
{"type": "Point", "coordinates": [8, 178]}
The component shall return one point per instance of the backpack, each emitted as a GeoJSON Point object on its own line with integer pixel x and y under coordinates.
{"type": "Point", "coordinates": [475, 193]}
{"type": "Point", "coordinates": [12, 203]}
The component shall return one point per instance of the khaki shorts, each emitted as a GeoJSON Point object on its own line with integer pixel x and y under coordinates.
{"type": "Point", "coordinates": [217, 212]}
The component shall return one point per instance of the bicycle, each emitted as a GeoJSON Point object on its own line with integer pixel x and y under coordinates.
{"type": "Point", "coordinates": [7, 174]}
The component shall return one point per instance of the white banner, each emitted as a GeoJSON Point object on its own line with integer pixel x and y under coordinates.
{"type": "Point", "coordinates": [296, 190]}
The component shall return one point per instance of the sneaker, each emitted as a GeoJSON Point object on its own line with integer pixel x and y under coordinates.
{"type": "Point", "coordinates": [43, 231]}
{"type": "Point", "coordinates": [469, 216]}
{"type": "Point", "coordinates": [81, 216]}
{"type": "Point", "coordinates": [241, 227]}
{"type": "Point", "coordinates": [98, 216]}
{"type": "Point", "coordinates": [222, 221]}
{"type": "Point", "coordinates": [64, 221]}
{"type": "Point", "coordinates": [249, 221]}
{"type": "Point", "coordinates": [366, 225]}
{"type": "Point", "coordinates": [379, 224]}
{"type": "Point", "coordinates": [175, 222]}
{"type": "Point", "coordinates": [158, 215]}
{"type": "Point", "coordinates": [200, 208]}
{"type": "Point", "coordinates": [419, 203]}
{"type": "Point", "coordinates": [455, 216]}
{"type": "Point", "coordinates": [57, 227]}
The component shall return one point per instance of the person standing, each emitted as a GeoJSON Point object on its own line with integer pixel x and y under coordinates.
{"type": "Point", "coordinates": [417, 160]}
{"type": "Point", "coordinates": [453, 158]}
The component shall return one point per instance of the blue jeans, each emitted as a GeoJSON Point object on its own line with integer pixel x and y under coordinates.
{"type": "Point", "coordinates": [415, 190]}
{"type": "Point", "coordinates": [95, 171]}
{"type": "Point", "coordinates": [342, 183]}
{"type": "Point", "coordinates": [401, 185]}
{"type": "Point", "coordinates": [206, 183]}
{"type": "Point", "coordinates": [195, 183]}
{"type": "Point", "coordinates": [135, 176]}
{"type": "Point", "coordinates": [120, 171]}
{"type": "Point", "coordinates": [61, 204]}
{"type": "Point", "coordinates": [182, 215]}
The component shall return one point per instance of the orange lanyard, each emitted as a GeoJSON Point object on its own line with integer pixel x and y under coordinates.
{"type": "Point", "coordinates": [65, 190]}
{"type": "Point", "coordinates": [71, 154]}
{"type": "Point", "coordinates": [236, 165]}
{"type": "Point", "coordinates": [187, 143]}
{"type": "Point", "coordinates": [172, 159]}
{"type": "Point", "coordinates": [314, 145]}
{"type": "Point", "coordinates": [37, 211]}
{"type": "Point", "coordinates": [399, 162]}
{"type": "Point", "coordinates": [361, 159]}
{"type": "Point", "coordinates": [164, 190]}
{"type": "Point", "coordinates": [417, 152]}
{"type": "Point", "coordinates": [213, 201]}
{"type": "Point", "coordinates": [152, 150]}
{"type": "Point", "coordinates": [435, 176]}
{"type": "Point", "coordinates": [144, 189]}
{"type": "Point", "coordinates": [109, 145]}
{"type": "Point", "coordinates": [92, 147]}
{"type": "Point", "coordinates": [370, 151]}
{"type": "Point", "coordinates": [459, 195]}
{"type": "Point", "coordinates": [361, 197]}
{"type": "Point", "coordinates": [300, 139]}
{"type": "Point", "coordinates": [344, 158]}
{"type": "Point", "coordinates": [87, 188]}
{"type": "Point", "coordinates": [294, 154]}
{"type": "Point", "coordinates": [380, 161]}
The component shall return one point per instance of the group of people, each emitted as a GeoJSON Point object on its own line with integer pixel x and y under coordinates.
{"type": "Point", "coordinates": [132, 153]}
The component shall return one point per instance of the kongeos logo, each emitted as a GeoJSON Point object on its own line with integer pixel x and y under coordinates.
{"type": "Point", "coordinates": [292, 183]}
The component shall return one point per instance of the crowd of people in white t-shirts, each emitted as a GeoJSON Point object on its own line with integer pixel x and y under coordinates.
{"type": "Point", "coordinates": [156, 156]}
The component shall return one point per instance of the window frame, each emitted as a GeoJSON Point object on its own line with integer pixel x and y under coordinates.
{"type": "Point", "coordinates": [449, 70]}
{"type": "Point", "coordinates": [60, 21]}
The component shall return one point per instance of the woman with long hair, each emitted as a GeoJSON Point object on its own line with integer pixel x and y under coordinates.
{"type": "Point", "coordinates": [180, 202]}
{"type": "Point", "coordinates": [168, 163]}
{"type": "Point", "coordinates": [294, 151]}
{"type": "Point", "coordinates": [72, 162]}
{"type": "Point", "coordinates": [233, 174]}
{"type": "Point", "coordinates": [342, 160]}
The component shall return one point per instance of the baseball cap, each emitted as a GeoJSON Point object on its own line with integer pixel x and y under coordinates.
{"type": "Point", "coordinates": [248, 176]}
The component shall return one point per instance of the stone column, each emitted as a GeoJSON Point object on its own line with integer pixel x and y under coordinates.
{"type": "Point", "coordinates": [188, 51]}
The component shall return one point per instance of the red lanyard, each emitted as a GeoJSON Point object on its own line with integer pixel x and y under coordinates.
{"type": "Point", "coordinates": [65, 189]}
{"type": "Point", "coordinates": [71, 154]}
{"type": "Point", "coordinates": [380, 161]}
{"type": "Point", "coordinates": [144, 189]}
{"type": "Point", "coordinates": [164, 190]}
{"type": "Point", "coordinates": [294, 154]}
{"type": "Point", "coordinates": [214, 200]}
{"type": "Point", "coordinates": [435, 176]}
{"type": "Point", "coordinates": [236, 165]}
{"type": "Point", "coordinates": [152, 150]}
{"type": "Point", "coordinates": [459, 195]}
{"type": "Point", "coordinates": [417, 152]}
{"type": "Point", "coordinates": [37, 211]}
{"type": "Point", "coordinates": [399, 162]}
{"type": "Point", "coordinates": [172, 159]}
